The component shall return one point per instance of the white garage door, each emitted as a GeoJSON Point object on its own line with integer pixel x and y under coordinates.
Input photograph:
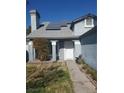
{"type": "Point", "coordinates": [68, 50]}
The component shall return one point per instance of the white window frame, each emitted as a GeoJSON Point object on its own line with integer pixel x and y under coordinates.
{"type": "Point", "coordinates": [92, 25]}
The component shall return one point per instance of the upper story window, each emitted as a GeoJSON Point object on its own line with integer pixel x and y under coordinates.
{"type": "Point", "coordinates": [89, 22]}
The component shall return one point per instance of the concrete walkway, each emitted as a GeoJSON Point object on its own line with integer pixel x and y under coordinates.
{"type": "Point", "coordinates": [80, 81]}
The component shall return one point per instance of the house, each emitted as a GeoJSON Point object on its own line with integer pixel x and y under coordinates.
{"type": "Point", "coordinates": [68, 39]}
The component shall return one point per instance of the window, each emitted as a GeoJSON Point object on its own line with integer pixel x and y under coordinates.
{"type": "Point", "coordinates": [89, 22]}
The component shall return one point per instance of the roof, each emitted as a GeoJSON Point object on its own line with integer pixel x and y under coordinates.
{"type": "Point", "coordinates": [56, 31]}
{"type": "Point", "coordinates": [52, 34]}
{"type": "Point", "coordinates": [84, 17]}
{"type": "Point", "coordinates": [57, 26]}
{"type": "Point", "coordinates": [53, 27]}
{"type": "Point", "coordinates": [58, 34]}
{"type": "Point", "coordinates": [93, 30]}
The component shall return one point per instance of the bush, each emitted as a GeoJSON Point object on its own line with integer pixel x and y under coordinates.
{"type": "Point", "coordinates": [78, 59]}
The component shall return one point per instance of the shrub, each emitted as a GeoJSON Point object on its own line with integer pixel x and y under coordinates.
{"type": "Point", "coordinates": [89, 70]}
{"type": "Point", "coordinates": [41, 47]}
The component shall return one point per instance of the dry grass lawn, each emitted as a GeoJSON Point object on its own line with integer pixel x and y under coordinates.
{"type": "Point", "coordinates": [48, 78]}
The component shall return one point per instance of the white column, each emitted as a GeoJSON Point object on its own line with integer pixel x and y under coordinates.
{"type": "Point", "coordinates": [53, 42]}
{"type": "Point", "coordinates": [31, 51]}
{"type": "Point", "coordinates": [77, 48]}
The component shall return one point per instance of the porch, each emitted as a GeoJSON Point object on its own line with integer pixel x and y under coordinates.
{"type": "Point", "coordinates": [60, 49]}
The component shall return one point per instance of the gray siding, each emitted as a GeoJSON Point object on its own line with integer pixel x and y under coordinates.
{"type": "Point", "coordinates": [89, 54]}
{"type": "Point", "coordinates": [89, 48]}
{"type": "Point", "coordinates": [79, 28]}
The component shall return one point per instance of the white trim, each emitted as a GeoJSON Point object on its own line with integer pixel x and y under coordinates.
{"type": "Point", "coordinates": [77, 42]}
{"type": "Point", "coordinates": [85, 25]}
{"type": "Point", "coordinates": [53, 42]}
{"type": "Point", "coordinates": [30, 43]}
{"type": "Point", "coordinates": [77, 48]}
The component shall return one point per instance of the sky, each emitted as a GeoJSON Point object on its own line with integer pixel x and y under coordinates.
{"type": "Point", "coordinates": [60, 10]}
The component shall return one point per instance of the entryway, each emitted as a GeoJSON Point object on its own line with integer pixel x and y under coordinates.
{"type": "Point", "coordinates": [68, 50]}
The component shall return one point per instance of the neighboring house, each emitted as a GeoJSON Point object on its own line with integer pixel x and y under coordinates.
{"type": "Point", "coordinates": [68, 39]}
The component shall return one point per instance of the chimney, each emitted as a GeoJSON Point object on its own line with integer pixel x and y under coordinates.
{"type": "Point", "coordinates": [35, 20]}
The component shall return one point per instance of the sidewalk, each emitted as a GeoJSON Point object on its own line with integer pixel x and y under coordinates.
{"type": "Point", "coordinates": [80, 81]}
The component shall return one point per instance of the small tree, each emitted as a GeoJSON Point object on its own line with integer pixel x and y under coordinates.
{"type": "Point", "coordinates": [41, 46]}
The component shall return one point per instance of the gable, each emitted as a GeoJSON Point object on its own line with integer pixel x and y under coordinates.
{"type": "Point", "coordinates": [82, 18]}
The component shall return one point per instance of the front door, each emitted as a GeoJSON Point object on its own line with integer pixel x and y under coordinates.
{"type": "Point", "coordinates": [68, 50]}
